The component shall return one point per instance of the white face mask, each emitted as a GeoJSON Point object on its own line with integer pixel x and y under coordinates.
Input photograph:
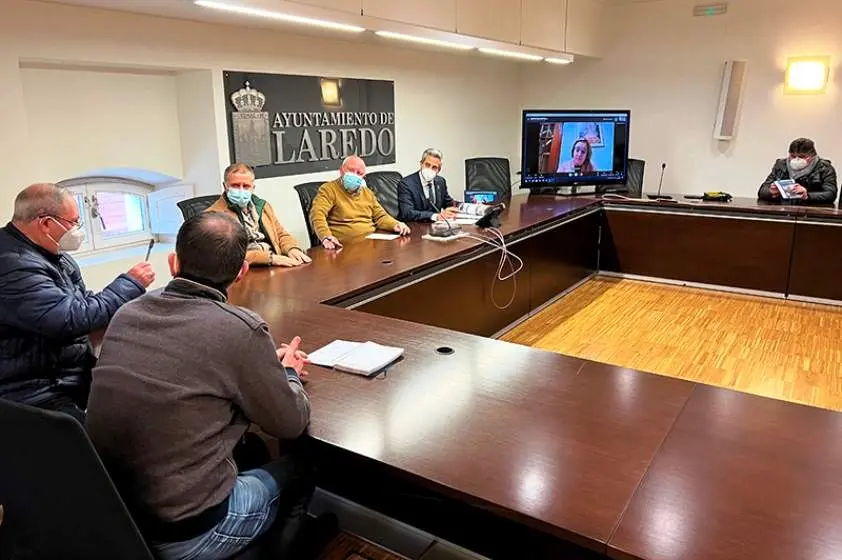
{"type": "Point", "coordinates": [797, 164]}
{"type": "Point", "coordinates": [71, 239]}
{"type": "Point", "coordinates": [428, 174]}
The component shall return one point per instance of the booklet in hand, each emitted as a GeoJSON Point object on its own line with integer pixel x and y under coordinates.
{"type": "Point", "coordinates": [785, 187]}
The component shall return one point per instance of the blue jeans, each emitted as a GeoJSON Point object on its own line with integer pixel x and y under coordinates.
{"type": "Point", "coordinates": [277, 490]}
{"type": "Point", "coordinates": [252, 508]}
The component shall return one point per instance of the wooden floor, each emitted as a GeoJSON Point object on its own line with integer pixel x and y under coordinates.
{"type": "Point", "coordinates": [774, 348]}
{"type": "Point", "coordinates": [350, 547]}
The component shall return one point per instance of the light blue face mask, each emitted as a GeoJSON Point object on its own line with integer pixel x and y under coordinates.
{"type": "Point", "coordinates": [239, 197]}
{"type": "Point", "coordinates": [352, 182]}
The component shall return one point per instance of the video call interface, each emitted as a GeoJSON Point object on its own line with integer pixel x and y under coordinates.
{"type": "Point", "coordinates": [564, 147]}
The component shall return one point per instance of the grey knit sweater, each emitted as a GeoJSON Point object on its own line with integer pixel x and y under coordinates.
{"type": "Point", "coordinates": [181, 375]}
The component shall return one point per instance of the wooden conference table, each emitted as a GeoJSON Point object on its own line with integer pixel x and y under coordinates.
{"type": "Point", "coordinates": [591, 460]}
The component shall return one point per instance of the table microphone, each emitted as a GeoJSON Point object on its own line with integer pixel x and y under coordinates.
{"type": "Point", "coordinates": [659, 196]}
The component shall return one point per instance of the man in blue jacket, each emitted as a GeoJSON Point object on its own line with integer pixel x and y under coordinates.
{"type": "Point", "coordinates": [423, 196]}
{"type": "Point", "coordinates": [46, 314]}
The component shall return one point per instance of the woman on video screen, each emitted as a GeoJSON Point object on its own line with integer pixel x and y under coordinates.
{"type": "Point", "coordinates": [580, 161]}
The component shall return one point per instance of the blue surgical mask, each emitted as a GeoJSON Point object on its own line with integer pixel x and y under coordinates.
{"type": "Point", "coordinates": [238, 197]}
{"type": "Point", "coordinates": [352, 182]}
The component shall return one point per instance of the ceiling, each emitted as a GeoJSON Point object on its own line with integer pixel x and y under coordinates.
{"type": "Point", "coordinates": [185, 9]}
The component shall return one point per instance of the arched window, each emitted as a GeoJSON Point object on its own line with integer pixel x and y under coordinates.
{"type": "Point", "coordinates": [114, 212]}
{"type": "Point", "coordinates": [121, 211]}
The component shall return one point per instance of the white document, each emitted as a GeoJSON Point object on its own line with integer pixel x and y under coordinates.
{"type": "Point", "coordinates": [463, 220]}
{"type": "Point", "coordinates": [368, 358]}
{"type": "Point", "coordinates": [327, 356]}
{"type": "Point", "coordinates": [477, 210]}
{"type": "Point", "coordinates": [383, 236]}
{"type": "Point", "coordinates": [363, 358]}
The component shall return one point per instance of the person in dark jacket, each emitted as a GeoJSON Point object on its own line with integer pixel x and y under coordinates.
{"type": "Point", "coordinates": [815, 177]}
{"type": "Point", "coordinates": [423, 196]}
{"type": "Point", "coordinates": [47, 313]}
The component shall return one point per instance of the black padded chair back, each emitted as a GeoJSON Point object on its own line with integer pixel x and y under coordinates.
{"type": "Point", "coordinates": [489, 174]}
{"type": "Point", "coordinates": [58, 500]}
{"type": "Point", "coordinates": [193, 206]}
{"type": "Point", "coordinates": [384, 185]}
{"type": "Point", "coordinates": [634, 179]}
{"type": "Point", "coordinates": [306, 193]}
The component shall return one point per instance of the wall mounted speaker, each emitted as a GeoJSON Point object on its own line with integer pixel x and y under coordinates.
{"type": "Point", "coordinates": [730, 99]}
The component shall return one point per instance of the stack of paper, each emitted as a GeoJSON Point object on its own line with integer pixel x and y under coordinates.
{"type": "Point", "coordinates": [465, 219]}
{"type": "Point", "coordinates": [383, 236]}
{"type": "Point", "coordinates": [362, 358]}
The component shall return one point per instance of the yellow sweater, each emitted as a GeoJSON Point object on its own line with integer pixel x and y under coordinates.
{"type": "Point", "coordinates": [343, 215]}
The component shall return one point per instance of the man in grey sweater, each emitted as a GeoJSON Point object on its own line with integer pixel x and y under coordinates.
{"type": "Point", "coordinates": [181, 376]}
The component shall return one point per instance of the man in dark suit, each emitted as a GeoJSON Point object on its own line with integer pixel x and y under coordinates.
{"type": "Point", "coordinates": [423, 196]}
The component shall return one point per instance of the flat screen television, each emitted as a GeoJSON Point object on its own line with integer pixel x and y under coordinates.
{"type": "Point", "coordinates": [574, 148]}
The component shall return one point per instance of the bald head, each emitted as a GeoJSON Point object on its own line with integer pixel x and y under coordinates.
{"type": "Point", "coordinates": [353, 164]}
{"type": "Point", "coordinates": [211, 249]}
{"type": "Point", "coordinates": [39, 200]}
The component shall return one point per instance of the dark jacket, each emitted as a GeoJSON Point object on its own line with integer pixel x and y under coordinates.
{"type": "Point", "coordinates": [820, 183]}
{"type": "Point", "coordinates": [180, 376]}
{"type": "Point", "coordinates": [46, 315]}
{"type": "Point", "coordinates": [413, 204]}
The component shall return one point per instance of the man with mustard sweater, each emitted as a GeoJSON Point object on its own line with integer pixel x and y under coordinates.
{"type": "Point", "coordinates": [269, 243]}
{"type": "Point", "coordinates": [345, 208]}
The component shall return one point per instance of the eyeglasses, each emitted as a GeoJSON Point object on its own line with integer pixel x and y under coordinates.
{"type": "Point", "coordinates": [77, 223]}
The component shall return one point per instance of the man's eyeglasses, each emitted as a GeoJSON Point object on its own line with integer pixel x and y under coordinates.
{"type": "Point", "coordinates": [77, 223]}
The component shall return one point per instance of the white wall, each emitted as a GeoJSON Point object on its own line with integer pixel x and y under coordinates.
{"type": "Point", "coordinates": [666, 66]}
{"type": "Point", "coordinates": [467, 105]}
{"type": "Point", "coordinates": [99, 271]}
{"type": "Point", "coordinates": [197, 123]}
{"type": "Point", "coordinates": [84, 120]}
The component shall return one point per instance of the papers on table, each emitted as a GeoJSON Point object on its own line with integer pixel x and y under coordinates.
{"type": "Point", "coordinates": [362, 358]}
{"type": "Point", "coordinates": [328, 355]}
{"type": "Point", "coordinates": [464, 220]}
{"type": "Point", "coordinates": [383, 236]}
{"type": "Point", "coordinates": [457, 235]}
{"type": "Point", "coordinates": [477, 210]}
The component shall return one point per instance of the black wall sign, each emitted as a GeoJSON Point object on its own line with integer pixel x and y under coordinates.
{"type": "Point", "coordinates": [289, 125]}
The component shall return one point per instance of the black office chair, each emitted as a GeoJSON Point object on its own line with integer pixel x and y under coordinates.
{"type": "Point", "coordinates": [193, 206]}
{"type": "Point", "coordinates": [384, 185]}
{"type": "Point", "coordinates": [306, 193]}
{"type": "Point", "coordinates": [634, 179]}
{"type": "Point", "coordinates": [489, 174]}
{"type": "Point", "coordinates": [58, 500]}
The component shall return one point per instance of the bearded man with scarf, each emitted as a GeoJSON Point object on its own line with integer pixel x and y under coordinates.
{"type": "Point", "coordinates": [815, 177]}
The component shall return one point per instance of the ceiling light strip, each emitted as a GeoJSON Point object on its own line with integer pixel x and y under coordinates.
{"type": "Point", "coordinates": [512, 54]}
{"type": "Point", "coordinates": [423, 40]}
{"type": "Point", "coordinates": [278, 16]}
{"type": "Point", "coordinates": [553, 60]}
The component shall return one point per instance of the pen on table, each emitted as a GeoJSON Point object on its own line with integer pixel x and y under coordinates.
{"type": "Point", "coordinates": [149, 249]}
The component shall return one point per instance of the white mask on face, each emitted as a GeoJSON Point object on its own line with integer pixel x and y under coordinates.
{"type": "Point", "coordinates": [797, 164]}
{"type": "Point", "coordinates": [71, 239]}
{"type": "Point", "coordinates": [428, 174]}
